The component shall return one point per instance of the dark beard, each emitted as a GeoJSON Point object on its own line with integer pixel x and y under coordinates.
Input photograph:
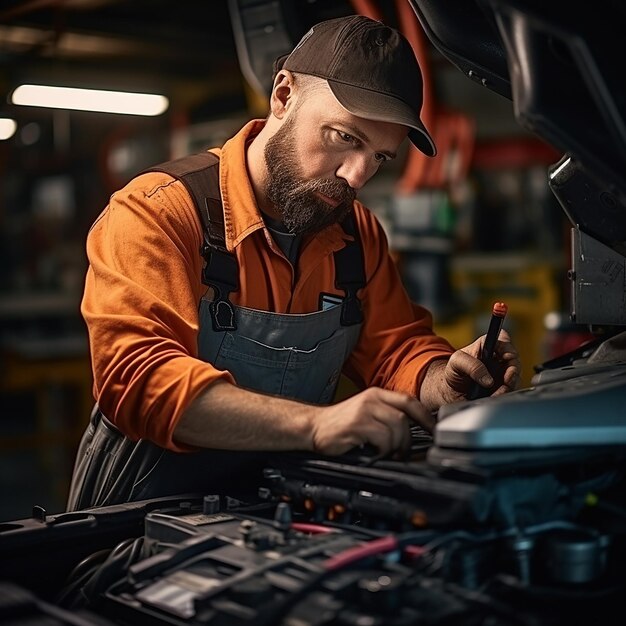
{"type": "Point", "coordinates": [294, 198]}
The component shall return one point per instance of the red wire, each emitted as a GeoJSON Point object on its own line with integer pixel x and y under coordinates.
{"type": "Point", "coordinates": [313, 529]}
{"type": "Point", "coordinates": [358, 553]}
{"type": "Point", "coordinates": [414, 552]}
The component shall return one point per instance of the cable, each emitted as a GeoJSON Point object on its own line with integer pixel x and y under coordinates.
{"type": "Point", "coordinates": [115, 566]}
{"type": "Point", "coordinates": [358, 553]}
{"type": "Point", "coordinates": [88, 561]}
{"type": "Point", "coordinates": [71, 592]}
{"type": "Point", "coordinates": [312, 529]}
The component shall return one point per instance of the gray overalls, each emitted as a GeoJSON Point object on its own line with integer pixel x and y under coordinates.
{"type": "Point", "coordinates": [295, 356]}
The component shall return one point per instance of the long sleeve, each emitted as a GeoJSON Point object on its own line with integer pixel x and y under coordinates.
{"type": "Point", "coordinates": [140, 304]}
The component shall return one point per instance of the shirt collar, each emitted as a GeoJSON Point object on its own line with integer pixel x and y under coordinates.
{"type": "Point", "coordinates": [236, 188]}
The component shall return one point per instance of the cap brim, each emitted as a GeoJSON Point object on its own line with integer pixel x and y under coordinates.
{"type": "Point", "coordinates": [373, 105]}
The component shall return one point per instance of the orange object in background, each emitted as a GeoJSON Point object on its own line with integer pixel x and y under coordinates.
{"type": "Point", "coordinates": [452, 132]}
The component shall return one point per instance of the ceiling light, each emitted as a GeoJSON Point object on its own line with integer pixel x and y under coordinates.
{"type": "Point", "coordinates": [90, 100]}
{"type": "Point", "coordinates": [7, 128]}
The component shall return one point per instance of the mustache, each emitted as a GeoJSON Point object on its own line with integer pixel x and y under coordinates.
{"type": "Point", "coordinates": [337, 189]}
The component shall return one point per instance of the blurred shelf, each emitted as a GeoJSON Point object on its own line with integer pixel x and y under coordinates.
{"type": "Point", "coordinates": [20, 305]}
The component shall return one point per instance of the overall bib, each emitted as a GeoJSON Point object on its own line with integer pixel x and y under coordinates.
{"type": "Point", "coordinates": [294, 356]}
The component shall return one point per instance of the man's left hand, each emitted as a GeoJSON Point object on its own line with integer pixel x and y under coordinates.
{"type": "Point", "coordinates": [452, 380]}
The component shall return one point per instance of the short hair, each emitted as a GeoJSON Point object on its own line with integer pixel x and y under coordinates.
{"type": "Point", "coordinates": [308, 85]}
{"type": "Point", "coordinates": [308, 82]}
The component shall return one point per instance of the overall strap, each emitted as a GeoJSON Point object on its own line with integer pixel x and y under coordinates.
{"type": "Point", "coordinates": [350, 274]}
{"type": "Point", "coordinates": [200, 175]}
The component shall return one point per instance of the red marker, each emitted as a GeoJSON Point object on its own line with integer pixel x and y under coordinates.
{"type": "Point", "coordinates": [498, 313]}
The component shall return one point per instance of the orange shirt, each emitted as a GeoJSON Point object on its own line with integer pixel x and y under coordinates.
{"type": "Point", "coordinates": [143, 287]}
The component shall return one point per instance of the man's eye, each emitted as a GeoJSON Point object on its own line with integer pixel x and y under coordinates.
{"type": "Point", "coordinates": [346, 137]}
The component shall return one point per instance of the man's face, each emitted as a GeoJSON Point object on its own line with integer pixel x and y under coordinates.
{"type": "Point", "coordinates": [320, 157]}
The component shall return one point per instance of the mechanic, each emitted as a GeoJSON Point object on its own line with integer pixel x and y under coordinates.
{"type": "Point", "coordinates": [193, 381]}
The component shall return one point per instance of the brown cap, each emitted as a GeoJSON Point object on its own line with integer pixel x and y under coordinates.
{"type": "Point", "coordinates": [369, 67]}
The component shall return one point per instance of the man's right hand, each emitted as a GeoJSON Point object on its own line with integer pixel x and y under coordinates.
{"type": "Point", "coordinates": [376, 416]}
{"type": "Point", "coordinates": [227, 417]}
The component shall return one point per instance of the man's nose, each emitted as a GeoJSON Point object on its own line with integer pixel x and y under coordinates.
{"type": "Point", "coordinates": [356, 171]}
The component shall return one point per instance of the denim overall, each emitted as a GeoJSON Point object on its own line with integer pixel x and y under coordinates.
{"type": "Point", "coordinates": [294, 356]}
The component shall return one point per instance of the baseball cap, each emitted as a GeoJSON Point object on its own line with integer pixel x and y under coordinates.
{"type": "Point", "coordinates": [370, 68]}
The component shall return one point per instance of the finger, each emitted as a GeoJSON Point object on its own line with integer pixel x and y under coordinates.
{"type": "Point", "coordinates": [512, 377]}
{"type": "Point", "coordinates": [396, 422]}
{"type": "Point", "coordinates": [502, 390]}
{"type": "Point", "coordinates": [380, 435]}
{"type": "Point", "coordinates": [511, 367]}
{"type": "Point", "coordinates": [504, 346]}
{"type": "Point", "coordinates": [420, 415]}
{"type": "Point", "coordinates": [506, 351]}
{"type": "Point", "coordinates": [508, 360]}
{"type": "Point", "coordinates": [387, 427]}
{"type": "Point", "coordinates": [504, 336]}
{"type": "Point", "coordinates": [400, 436]}
{"type": "Point", "coordinates": [462, 366]}
{"type": "Point", "coordinates": [410, 406]}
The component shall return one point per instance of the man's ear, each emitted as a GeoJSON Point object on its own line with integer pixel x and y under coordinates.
{"type": "Point", "coordinates": [282, 94]}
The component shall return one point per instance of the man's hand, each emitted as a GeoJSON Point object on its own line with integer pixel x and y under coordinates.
{"type": "Point", "coordinates": [452, 380]}
{"type": "Point", "coordinates": [376, 416]}
{"type": "Point", "coordinates": [227, 417]}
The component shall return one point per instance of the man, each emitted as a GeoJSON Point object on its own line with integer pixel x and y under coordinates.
{"type": "Point", "coordinates": [193, 380]}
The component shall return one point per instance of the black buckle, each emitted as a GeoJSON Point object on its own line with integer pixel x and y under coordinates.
{"type": "Point", "coordinates": [222, 312]}
{"type": "Point", "coordinates": [221, 274]}
{"type": "Point", "coordinates": [351, 307]}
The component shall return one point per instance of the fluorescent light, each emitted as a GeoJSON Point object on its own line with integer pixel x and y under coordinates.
{"type": "Point", "coordinates": [7, 128]}
{"type": "Point", "coordinates": [90, 100]}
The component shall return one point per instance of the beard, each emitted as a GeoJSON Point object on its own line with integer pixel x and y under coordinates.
{"type": "Point", "coordinates": [294, 197]}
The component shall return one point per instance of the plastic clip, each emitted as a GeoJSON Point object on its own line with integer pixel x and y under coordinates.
{"type": "Point", "coordinates": [351, 308]}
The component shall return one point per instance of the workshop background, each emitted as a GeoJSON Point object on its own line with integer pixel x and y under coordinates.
{"type": "Point", "coordinates": [473, 225]}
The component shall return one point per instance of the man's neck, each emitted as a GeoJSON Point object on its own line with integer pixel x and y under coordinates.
{"type": "Point", "coordinates": [288, 242]}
